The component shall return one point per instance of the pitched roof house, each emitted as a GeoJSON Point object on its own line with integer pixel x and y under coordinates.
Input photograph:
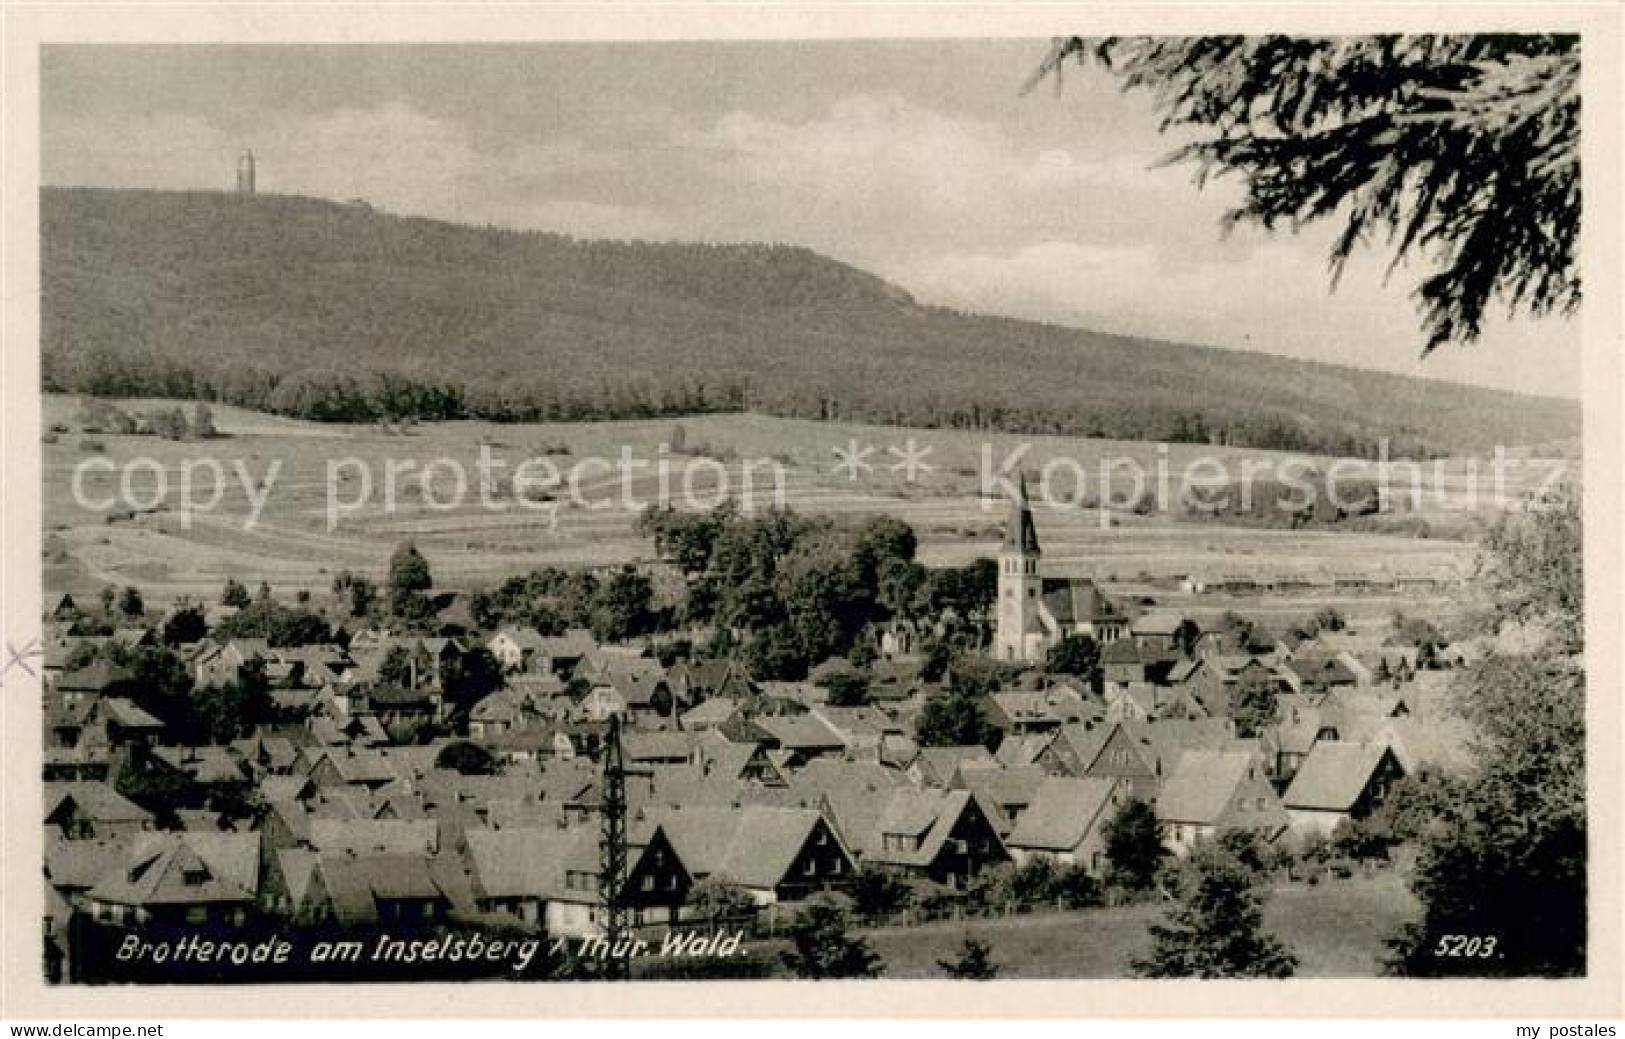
{"type": "Point", "coordinates": [1214, 790]}
{"type": "Point", "coordinates": [1066, 821]}
{"type": "Point", "coordinates": [550, 876]}
{"type": "Point", "coordinates": [1339, 781]}
{"type": "Point", "coordinates": [1007, 790]}
{"type": "Point", "coordinates": [515, 648]}
{"type": "Point", "coordinates": [1109, 751]}
{"type": "Point", "coordinates": [937, 766]}
{"type": "Point", "coordinates": [192, 878]}
{"type": "Point", "coordinates": [86, 810]}
{"type": "Point", "coordinates": [775, 854]}
{"type": "Point", "coordinates": [945, 835]}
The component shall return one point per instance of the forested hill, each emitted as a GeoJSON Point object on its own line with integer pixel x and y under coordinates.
{"type": "Point", "coordinates": [337, 311]}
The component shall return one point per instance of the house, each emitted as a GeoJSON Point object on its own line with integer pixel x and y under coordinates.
{"type": "Point", "coordinates": [1130, 702]}
{"type": "Point", "coordinates": [190, 879]}
{"type": "Point", "coordinates": [900, 637]}
{"type": "Point", "coordinates": [1340, 781]}
{"type": "Point", "coordinates": [1156, 631]}
{"type": "Point", "coordinates": [73, 867]}
{"type": "Point", "coordinates": [736, 762]}
{"type": "Point", "coordinates": [401, 838]}
{"type": "Point", "coordinates": [515, 648]}
{"type": "Point", "coordinates": [397, 707]}
{"type": "Point", "coordinates": [294, 888]}
{"type": "Point", "coordinates": [659, 748]}
{"type": "Point", "coordinates": [1109, 751]}
{"type": "Point", "coordinates": [216, 769]}
{"type": "Point", "coordinates": [65, 720]}
{"type": "Point", "coordinates": [1006, 791]}
{"type": "Point", "coordinates": [118, 722]}
{"type": "Point", "coordinates": [1180, 703]}
{"type": "Point", "coordinates": [937, 766]}
{"type": "Point", "coordinates": [527, 872]}
{"type": "Point", "coordinates": [500, 711]}
{"type": "Point", "coordinates": [863, 730]}
{"type": "Point", "coordinates": [216, 666]}
{"type": "Point", "coordinates": [804, 736]}
{"type": "Point", "coordinates": [603, 661]}
{"type": "Point", "coordinates": [894, 682]}
{"type": "Point", "coordinates": [1066, 821]}
{"type": "Point", "coordinates": [697, 681]}
{"type": "Point", "coordinates": [268, 755]}
{"type": "Point", "coordinates": [101, 677]}
{"type": "Point", "coordinates": [775, 854]}
{"type": "Point", "coordinates": [1439, 743]}
{"type": "Point", "coordinates": [1041, 710]}
{"type": "Point", "coordinates": [88, 760]}
{"type": "Point", "coordinates": [1318, 673]}
{"type": "Point", "coordinates": [88, 810]}
{"type": "Point", "coordinates": [944, 835]}
{"type": "Point", "coordinates": [1018, 750]}
{"type": "Point", "coordinates": [1168, 738]}
{"type": "Point", "coordinates": [1131, 662]}
{"type": "Point", "coordinates": [134, 636]}
{"type": "Point", "coordinates": [559, 655]}
{"type": "Point", "coordinates": [533, 740]}
{"type": "Point", "coordinates": [401, 892]}
{"type": "Point", "coordinates": [296, 789]}
{"type": "Point", "coordinates": [641, 696]}
{"type": "Point", "coordinates": [549, 877]}
{"type": "Point", "coordinates": [710, 714]}
{"type": "Point", "coordinates": [343, 732]}
{"type": "Point", "coordinates": [1203, 685]}
{"type": "Point", "coordinates": [344, 766]}
{"type": "Point", "coordinates": [1214, 790]}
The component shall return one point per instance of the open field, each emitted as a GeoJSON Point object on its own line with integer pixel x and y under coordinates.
{"type": "Point", "coordinates": [325, 492]}
{"type": "Point", "coordinates": [1336, 929]}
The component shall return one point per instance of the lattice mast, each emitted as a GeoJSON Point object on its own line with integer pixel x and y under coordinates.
{"type": "Point", "coordinates": [613, 853]}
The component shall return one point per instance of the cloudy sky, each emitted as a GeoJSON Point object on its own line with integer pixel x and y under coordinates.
{"type": "Point", "coordinates": [919, 161]}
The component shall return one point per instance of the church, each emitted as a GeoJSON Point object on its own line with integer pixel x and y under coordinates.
{"type": "Point", "coordinates": [1036, 612]}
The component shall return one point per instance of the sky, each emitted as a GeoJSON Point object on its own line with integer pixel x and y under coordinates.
{"type": "Point", "coordinates": [920, 161]}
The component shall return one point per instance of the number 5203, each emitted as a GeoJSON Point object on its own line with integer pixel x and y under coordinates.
{"type": "Point", "coordinates": [1470, 946]}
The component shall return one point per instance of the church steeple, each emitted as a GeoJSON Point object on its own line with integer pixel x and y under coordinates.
{"type": "Point", "coordinates": [1020, 535]}
{"type": "Point", "coordinates": [1019, 635]}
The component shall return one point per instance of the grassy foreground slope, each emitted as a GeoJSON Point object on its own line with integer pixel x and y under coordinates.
{"type": "Point", "coordinates": [336, 311]}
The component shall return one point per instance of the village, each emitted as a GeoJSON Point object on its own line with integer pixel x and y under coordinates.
{"type": "Point", "coordinates": [429, 763]}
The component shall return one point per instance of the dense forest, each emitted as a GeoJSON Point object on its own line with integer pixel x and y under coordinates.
{"type": "Point", "coordinates": [338, 312]}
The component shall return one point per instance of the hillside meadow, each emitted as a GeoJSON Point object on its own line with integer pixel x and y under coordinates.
{"type": "Point", "coordinates": [280, 517]}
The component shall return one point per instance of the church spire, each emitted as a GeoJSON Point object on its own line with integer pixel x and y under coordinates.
{"type": "Point", "coordinates": [1020, 535]}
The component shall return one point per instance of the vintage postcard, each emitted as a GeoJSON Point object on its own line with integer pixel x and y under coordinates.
{"type": "Point", "coordinates": [543, 502]}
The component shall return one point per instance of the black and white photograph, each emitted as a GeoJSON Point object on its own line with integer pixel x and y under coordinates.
{"type": "Point", "coordinates": [1064, 507]}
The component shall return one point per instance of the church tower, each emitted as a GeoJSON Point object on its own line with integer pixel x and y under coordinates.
{"type": "Point", "coordinates": [245, 173]}
{"type": "Point", "coordinates": [1020, 632]}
